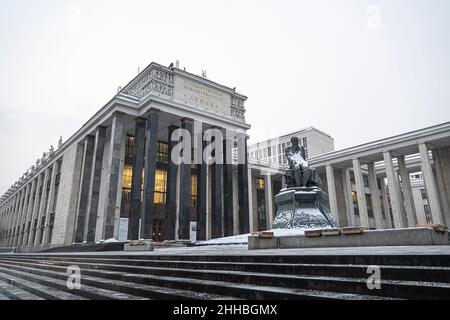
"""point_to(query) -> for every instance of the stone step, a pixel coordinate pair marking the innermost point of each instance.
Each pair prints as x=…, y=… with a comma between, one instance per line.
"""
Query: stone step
x=116, y=288
x=37, y=290
x=395, y=260
x=59, y=285
x=248, y=286
x=12, y=292
x=389, y=272
x=390, y=288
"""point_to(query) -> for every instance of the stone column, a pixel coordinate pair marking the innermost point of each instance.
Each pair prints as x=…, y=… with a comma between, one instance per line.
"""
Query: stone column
x=389, y=222
x=49, y=205
x=227, y=185
x=41, y=209
x=11, y=219
x=407, y=193
x=216, y=196
x=24, y=240
x=35, y=212
x=83, y=194
x=441, y=158
x=251, y=217
x=202, y=197
x=96, y=176
x=361, y=193
x=113, y=161
x=244, y=199
x=23, y=216
x=171, y=195
x=430, y=184
x=269, y=199
x=16, y=222
x=151, y=144
x=283, y=182
x=136, y=179
x=185, y=188
x=351, y=218
x=331, y=184
x=375, y=195
x=394, y=190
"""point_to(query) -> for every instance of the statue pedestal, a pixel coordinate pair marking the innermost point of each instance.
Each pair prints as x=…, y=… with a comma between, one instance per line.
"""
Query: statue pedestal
x=303, y=208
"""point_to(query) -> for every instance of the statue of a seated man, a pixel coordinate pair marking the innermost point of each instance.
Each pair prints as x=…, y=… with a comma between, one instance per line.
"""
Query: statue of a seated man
x=303, y=174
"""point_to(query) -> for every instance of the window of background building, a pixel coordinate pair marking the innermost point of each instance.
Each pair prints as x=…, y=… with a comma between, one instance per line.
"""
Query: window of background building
x=355, y=203
x=283, y=146
x=279, y=149
x=366, y=181
x=424, y=193
x=427, y=213
x=259, y=184
x=265, y=153
x=305, y=143
x=369, y=205
x=279, y=159
x=269, y=151
x=352, y=177
x=383, y=213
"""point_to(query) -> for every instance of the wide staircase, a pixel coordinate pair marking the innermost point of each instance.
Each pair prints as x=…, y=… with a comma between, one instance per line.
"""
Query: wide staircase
x=211, y=277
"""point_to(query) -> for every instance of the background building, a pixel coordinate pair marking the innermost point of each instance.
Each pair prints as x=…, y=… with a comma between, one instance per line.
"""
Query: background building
x=396, y=182
x=315, y=142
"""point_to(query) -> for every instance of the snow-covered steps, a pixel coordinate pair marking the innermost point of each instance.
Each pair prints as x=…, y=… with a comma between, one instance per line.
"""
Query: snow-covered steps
x=120, y=276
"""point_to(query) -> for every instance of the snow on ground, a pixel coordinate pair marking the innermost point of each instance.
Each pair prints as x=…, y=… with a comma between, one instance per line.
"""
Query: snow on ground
x=243, y=238
x=111, y=240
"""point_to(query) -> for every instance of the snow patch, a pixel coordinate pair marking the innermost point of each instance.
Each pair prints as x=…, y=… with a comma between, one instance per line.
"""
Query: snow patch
x=243, y=238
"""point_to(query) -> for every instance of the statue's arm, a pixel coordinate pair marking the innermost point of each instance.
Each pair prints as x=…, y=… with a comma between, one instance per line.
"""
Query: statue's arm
x=288, y=154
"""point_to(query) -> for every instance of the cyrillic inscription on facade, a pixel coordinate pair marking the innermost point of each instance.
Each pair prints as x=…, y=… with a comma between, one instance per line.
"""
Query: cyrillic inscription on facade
x=199, y=95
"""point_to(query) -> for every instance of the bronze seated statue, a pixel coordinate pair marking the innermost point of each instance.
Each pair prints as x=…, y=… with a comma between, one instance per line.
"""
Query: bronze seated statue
x=299, y=173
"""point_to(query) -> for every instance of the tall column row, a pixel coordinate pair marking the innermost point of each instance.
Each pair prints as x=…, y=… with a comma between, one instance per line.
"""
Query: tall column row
x=396, y=197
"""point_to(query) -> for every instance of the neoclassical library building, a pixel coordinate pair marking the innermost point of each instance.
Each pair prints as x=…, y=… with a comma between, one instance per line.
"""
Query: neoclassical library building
x=116, y=178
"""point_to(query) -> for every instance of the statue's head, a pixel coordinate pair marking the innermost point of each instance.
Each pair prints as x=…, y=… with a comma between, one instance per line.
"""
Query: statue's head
x=294, y=141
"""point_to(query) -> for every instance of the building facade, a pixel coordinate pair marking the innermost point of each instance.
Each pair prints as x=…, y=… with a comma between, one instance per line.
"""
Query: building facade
x=115, y=177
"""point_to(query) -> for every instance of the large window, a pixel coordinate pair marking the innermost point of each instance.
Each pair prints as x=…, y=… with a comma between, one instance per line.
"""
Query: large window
x=194, y=193
x=162, y=154
x=160, y=187
x=126, y=182
x=160, y=184
x=129, y=147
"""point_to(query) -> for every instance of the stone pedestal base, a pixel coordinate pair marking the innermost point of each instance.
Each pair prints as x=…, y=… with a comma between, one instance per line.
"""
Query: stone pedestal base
x=140, y=245
x=366, y=238
x=303, y=208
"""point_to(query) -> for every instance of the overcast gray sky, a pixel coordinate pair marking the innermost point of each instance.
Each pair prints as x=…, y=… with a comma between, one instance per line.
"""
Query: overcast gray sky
x=359, y=70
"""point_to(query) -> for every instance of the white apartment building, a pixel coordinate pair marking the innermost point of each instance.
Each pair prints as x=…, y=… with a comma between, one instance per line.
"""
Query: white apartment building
x=314, y=141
